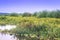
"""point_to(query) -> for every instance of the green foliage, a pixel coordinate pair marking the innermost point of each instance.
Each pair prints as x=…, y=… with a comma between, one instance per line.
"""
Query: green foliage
x=14, y=14
x=43, y=14
x=43, y=24
x=48, y=14
x=45, y=27
x=26, y=14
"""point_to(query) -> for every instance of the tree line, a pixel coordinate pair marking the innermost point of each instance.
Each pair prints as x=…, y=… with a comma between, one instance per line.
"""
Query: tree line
x=41, y=14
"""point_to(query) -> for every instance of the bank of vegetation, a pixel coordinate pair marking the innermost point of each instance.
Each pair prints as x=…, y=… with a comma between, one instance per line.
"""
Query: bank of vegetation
x=41, y=25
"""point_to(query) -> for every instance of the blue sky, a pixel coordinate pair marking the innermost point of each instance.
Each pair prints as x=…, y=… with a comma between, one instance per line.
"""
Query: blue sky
x=28, y=5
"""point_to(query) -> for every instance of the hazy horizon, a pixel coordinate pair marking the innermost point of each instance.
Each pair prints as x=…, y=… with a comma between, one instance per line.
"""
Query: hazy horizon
x=21, y=6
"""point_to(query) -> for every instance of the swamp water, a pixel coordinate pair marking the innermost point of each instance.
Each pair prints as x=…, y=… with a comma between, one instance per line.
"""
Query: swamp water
x=7, y=36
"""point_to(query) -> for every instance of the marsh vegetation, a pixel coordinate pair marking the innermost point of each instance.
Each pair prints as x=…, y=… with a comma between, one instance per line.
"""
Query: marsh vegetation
x=43, y=25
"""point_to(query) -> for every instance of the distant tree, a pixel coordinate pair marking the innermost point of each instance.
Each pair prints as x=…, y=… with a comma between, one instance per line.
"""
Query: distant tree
x=51, y=14
x=54, y=14
x=57, y=14
x=35, y=14
x=26, y=14
x=43, y=14
x=14, y=14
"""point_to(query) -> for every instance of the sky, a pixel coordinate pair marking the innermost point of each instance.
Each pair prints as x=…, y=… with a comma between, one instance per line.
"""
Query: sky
x=20, y=6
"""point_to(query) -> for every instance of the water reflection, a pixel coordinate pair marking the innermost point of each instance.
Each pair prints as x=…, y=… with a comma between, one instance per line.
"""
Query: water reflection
x=8, y=27
x=7, y=36
x=13, y=37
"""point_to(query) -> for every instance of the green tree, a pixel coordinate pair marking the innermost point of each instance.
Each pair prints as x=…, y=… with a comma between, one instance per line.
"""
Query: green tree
x=14, y=14
x=26, y=14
